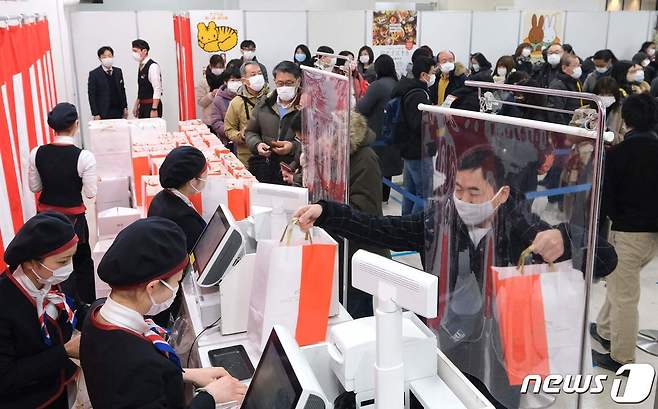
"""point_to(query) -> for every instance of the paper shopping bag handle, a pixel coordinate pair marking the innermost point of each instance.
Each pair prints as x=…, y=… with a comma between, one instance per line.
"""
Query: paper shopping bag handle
x=287, y=232
x=521, y=264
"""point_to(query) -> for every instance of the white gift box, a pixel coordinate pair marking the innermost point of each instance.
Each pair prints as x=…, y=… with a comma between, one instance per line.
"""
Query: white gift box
x=111, y=221
x=113, y=192
x=102, y=289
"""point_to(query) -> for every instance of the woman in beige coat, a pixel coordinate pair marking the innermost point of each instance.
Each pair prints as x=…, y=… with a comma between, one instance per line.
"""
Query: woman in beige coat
x=206, y=89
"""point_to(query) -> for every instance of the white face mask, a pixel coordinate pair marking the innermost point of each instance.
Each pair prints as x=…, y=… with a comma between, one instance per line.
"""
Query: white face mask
x=526, y=52
x=431, y=80
x=217, y=71
x=651, y=52
x=158, y=308
x=554, y=59
x=502, y=71
x=577, y=73
x=249, y=55
x=645, y=62
x=602, y=70
x=107, y=62
x=286, y=94
x=137, y=56
x=364, y=59
x=257, y=82
x=476, y=67
x=474, y=214
x=608, y=100
x=234, y=86
x=59, y=275
x=200, y=188
x=446, y=67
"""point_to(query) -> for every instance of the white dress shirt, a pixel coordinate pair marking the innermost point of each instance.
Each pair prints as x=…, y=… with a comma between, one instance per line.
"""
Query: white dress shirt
x=86, y=169
x=155, y=77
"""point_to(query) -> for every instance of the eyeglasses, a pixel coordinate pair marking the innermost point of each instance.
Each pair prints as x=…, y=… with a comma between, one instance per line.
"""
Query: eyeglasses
x=285, y=83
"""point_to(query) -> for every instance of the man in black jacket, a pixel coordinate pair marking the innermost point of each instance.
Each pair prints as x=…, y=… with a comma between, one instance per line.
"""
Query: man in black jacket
x=547, y=71
x=107, y=94
x=566, y=80
x=451, y=78
x=409, y=131
x=489, y=229
x=630, y=200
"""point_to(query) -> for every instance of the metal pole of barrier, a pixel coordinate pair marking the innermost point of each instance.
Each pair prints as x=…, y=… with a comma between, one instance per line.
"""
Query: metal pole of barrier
x=597, y=175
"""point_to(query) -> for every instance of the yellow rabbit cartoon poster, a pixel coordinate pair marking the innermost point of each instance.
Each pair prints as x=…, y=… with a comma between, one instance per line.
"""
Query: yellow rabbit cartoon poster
x=541, y=29
x=215, y=32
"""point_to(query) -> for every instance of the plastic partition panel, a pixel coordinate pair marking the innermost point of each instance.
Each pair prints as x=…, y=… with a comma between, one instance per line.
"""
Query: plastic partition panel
x=88, y=35
x=276, y=34
x=341, y=30
x=585, y=31
x=623, y=40
x=449, y=30
x=495, y=33
x=157, y=28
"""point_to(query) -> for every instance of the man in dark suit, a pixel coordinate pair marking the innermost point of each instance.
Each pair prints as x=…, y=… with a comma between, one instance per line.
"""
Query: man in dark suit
x=107, y=94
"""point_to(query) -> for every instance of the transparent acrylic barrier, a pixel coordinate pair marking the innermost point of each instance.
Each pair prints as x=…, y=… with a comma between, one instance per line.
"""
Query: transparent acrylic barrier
x=504, y=198
x=325, y=129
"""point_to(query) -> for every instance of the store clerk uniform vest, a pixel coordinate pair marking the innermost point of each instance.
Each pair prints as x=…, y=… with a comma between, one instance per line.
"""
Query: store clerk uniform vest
x=124, y=370
x=32, y=374
x=58, y=169
x=166, y=204
x=144, y=86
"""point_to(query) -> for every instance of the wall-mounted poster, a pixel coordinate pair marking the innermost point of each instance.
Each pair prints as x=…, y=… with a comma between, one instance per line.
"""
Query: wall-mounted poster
x=541, y=29
x=394, y=32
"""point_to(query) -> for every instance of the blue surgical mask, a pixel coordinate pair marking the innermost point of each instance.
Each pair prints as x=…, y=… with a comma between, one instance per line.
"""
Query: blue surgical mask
x=300, y=57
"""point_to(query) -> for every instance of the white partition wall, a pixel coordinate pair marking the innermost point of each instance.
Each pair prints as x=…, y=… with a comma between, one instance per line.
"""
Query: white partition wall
x=586, y=31
x=447, y=30
x=276, y=34
x=342, y=30
x=627, y=31
x=495, y=33
x=88, y=36
x=157, y=27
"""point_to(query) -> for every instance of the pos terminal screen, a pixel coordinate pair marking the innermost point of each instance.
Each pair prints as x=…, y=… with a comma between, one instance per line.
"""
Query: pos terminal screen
x=275, y=385
x=212, y=236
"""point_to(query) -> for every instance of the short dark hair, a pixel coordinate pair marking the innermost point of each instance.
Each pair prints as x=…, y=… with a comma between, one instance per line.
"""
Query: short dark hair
x=216, y=59
x=645, y=45
x=232, y=70
x=296, y=122
x=516, y=77
x=640, y=112
x=568, y=49
x=605, y=55
x=287, y=67
x=421, y=65
x=639, y=57
x=607, y=85
x=247, y=44
x=325, y=49
x=103, y=49
x=141, y=44
x=341, y=61
x=483, y=157
x=371, y=55
x=421, y=52
x=385, y=67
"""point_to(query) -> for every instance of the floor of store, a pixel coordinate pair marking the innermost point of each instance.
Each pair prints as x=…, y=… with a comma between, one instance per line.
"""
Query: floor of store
x=648, y=319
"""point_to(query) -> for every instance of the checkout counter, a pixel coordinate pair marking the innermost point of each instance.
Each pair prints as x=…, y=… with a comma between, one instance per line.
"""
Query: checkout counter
x=211, y=331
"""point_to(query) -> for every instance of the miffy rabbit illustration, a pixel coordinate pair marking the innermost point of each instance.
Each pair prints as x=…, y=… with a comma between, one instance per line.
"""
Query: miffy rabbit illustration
x=549, y=30
x=536, y=34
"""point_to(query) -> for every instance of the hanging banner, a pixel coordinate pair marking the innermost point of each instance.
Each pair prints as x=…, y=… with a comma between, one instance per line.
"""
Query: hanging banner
x=214, y=32
x=394, y=32
x=325, y=144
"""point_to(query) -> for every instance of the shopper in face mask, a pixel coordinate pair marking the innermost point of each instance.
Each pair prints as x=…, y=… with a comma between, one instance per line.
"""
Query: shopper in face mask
x=566, y=80
x=643, y=60
x=105, y=88
x=149, y=81
x=36, y=319
x=63, y=173
x=232, y=82
x=325, y=62
x=303, y=56
x=254, y=90
x=630, y=78
x=268, y=134
x=248, y=50
x=522, y=58
x=603, y=61
x=549, y=70
x=608, y=89
x=207, y=87
x=366, y=65
x=409, y=132
x=649, y=48
x=486, y=217
x=126, y=361
x=504, y=67
x=450, y=77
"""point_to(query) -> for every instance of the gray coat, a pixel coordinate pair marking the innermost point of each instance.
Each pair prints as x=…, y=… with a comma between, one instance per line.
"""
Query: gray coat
x=372, y=107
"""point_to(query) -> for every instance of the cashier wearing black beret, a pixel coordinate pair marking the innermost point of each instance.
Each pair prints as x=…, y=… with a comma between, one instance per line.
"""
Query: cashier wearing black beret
x=125, y=359
x=36, y=320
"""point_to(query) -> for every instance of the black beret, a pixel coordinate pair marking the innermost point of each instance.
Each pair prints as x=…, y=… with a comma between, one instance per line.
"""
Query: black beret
x=43, y=235
x=149, y=249
x=62, y=116
x=181, y=165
